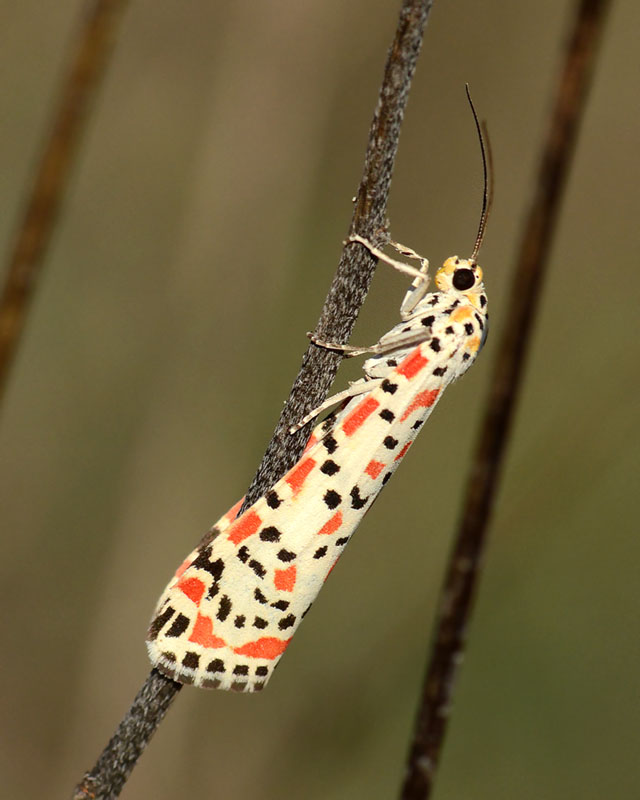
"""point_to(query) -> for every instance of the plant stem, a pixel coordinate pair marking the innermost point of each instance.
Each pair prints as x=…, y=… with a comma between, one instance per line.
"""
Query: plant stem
x=460, y=584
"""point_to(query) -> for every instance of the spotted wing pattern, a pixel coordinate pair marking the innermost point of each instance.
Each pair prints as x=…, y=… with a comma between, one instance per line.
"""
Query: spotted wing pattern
x=231, y=609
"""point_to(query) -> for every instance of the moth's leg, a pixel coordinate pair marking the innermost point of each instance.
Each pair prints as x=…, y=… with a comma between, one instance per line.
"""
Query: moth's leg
x=409, y=253
x=388, y=344
x=348, y=350
x=418, y=288
x=407, y=269
x=355, y=389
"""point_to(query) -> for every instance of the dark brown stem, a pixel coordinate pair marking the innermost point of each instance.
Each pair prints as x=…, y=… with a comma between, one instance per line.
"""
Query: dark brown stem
x=459, y=588
x=319, y=366
x=355, y=270
x=88, y=62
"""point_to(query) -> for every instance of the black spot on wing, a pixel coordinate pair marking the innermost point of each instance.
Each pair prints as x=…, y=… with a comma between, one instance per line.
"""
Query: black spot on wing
x=257, y=567
x=330, y=444
x=332, y=498
x=159, y=622
x=270, y=534
x=191, y=660
x=389, y=387
x=203, y=561
x=329, y=467
x=179, y=626
x=224, y=608
x=357, y=501
x=273, y=501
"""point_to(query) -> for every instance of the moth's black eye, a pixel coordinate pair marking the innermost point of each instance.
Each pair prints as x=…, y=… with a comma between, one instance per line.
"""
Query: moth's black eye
x=463, y=279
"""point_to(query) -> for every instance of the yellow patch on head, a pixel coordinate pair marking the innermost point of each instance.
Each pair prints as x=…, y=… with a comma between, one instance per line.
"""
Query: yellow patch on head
x=450, y=264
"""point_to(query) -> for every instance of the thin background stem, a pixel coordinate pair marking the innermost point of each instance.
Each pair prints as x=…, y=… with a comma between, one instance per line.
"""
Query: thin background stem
x=458, y=592
x=319, y=366
x=90, y=54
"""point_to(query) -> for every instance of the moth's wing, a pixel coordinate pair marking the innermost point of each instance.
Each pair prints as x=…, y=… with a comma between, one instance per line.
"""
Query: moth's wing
x=230, y=612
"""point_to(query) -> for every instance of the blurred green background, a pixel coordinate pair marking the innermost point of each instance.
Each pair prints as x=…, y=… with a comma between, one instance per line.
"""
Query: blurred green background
x=201, y=233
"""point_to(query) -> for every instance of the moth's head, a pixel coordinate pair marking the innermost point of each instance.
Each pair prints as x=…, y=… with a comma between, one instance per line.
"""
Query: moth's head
x=462, y=276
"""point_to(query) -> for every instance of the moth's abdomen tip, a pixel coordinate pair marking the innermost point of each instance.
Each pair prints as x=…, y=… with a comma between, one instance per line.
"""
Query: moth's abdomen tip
x=166, y=663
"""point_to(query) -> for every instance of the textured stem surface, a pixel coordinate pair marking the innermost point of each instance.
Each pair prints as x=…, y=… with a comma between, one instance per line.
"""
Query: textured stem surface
x=319, y=367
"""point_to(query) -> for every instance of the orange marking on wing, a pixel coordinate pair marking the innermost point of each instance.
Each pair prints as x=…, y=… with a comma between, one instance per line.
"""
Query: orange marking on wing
x=203, y=633
x=268, y=647
x=299, y=474
x=232, y=513
x=331, y=569
x=374, y=468
x=193, y=588
x=413, y=364
x=360, y=413
x=461, y=313
x=422, y=400
x=186, y=563
x=312, y=440
x=245, y=526
x=403, y=451
x=474, y=344
x=332, y=525
x=285, y=579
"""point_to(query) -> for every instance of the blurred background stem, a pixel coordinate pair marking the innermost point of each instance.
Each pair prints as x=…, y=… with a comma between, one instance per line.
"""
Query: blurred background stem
x=463, y=571
x=198, y=235
x=90, y=52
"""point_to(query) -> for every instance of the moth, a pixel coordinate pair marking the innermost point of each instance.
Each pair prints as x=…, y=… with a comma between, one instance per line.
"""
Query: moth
x=232, y=607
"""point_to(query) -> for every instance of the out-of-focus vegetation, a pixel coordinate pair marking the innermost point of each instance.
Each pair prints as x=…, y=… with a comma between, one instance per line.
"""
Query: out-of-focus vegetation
x=195, y=249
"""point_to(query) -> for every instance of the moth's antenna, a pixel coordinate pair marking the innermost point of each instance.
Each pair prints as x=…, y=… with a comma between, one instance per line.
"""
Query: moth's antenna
x=487, y=170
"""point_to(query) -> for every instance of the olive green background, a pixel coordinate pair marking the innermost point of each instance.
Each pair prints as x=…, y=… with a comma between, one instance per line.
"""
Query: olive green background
x=201, y=232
